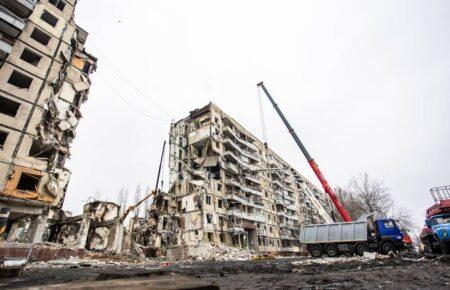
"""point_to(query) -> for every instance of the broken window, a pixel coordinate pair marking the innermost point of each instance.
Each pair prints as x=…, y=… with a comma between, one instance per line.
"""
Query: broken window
x=180, y=166
x=210, y=237
x=221, y=220
x=219, y=187
x=8, y=107
x=208, y=199
x=180, y=154
x=222, y=238
x=3, y=136
x=20, y=80
x=60, y=4
x=49, y=18
x=28, y=182
x=219, y=203
x=209, y=218
x=40, y=36
x=30, y=57
x=39, y=150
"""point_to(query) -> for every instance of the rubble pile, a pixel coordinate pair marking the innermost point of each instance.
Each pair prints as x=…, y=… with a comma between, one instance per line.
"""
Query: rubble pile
x=224, y=253
x=338, y=260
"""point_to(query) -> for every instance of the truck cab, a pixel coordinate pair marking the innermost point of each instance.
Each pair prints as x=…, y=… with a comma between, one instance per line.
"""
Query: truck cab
x=440, y=225
x=389, y=235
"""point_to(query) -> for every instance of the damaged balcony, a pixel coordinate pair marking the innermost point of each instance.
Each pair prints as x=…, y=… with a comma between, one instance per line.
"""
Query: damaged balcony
x=23, y=8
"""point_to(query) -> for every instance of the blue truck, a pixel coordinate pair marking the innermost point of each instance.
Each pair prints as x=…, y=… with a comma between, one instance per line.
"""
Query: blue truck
x=364, y=235
x=435, y=235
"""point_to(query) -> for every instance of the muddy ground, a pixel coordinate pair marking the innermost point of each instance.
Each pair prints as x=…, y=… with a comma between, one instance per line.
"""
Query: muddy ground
x=287, y=273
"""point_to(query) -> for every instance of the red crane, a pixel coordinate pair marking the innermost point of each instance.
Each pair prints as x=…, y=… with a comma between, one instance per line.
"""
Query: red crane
x=311, y=161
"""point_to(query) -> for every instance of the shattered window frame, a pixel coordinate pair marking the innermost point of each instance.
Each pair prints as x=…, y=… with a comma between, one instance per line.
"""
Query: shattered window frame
x=29, y=175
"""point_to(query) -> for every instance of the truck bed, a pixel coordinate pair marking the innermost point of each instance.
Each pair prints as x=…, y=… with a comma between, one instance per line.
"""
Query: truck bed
x=334, y=233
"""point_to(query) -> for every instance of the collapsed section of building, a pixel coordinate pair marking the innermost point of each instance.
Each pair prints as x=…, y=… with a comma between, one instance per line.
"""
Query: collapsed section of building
x=44, y=80
x=227, y=187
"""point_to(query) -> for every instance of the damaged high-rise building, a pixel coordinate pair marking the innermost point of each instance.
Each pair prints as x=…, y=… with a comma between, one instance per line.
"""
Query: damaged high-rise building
x=228, y=187
x=44, y=79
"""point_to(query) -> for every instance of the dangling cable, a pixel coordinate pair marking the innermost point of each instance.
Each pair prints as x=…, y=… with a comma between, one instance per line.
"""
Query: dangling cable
x=263, y=123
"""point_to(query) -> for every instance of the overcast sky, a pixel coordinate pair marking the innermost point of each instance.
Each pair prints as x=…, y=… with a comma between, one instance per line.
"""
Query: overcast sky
x=365, y=84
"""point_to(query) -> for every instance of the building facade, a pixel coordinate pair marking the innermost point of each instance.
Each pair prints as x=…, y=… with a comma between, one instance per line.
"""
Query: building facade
x=230, y=188
x=44, y=79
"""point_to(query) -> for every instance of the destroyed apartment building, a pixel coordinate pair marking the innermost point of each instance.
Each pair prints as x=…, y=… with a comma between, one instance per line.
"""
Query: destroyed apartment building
x=44, y=79
x=228, y=188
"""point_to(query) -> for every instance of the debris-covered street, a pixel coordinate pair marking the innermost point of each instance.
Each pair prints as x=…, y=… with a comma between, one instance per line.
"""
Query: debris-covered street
x=412, y=271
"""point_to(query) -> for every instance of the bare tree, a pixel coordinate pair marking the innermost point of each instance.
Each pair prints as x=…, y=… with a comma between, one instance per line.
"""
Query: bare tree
x=122, y=199
x=365, y=195
x=97, y=195
x=373, y=194
x=137, y=198
x=147, y=202
x=403, y=218
x=351, y=203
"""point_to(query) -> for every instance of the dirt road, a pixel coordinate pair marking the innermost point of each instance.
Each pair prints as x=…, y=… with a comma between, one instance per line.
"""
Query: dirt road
x=298, y=273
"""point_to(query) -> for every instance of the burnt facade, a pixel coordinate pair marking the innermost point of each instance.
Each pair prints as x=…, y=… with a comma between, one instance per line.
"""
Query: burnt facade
x=44, y=80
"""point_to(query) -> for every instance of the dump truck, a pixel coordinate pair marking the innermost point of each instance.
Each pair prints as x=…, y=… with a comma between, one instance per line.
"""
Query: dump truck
x=436, y=234
x=365, y=235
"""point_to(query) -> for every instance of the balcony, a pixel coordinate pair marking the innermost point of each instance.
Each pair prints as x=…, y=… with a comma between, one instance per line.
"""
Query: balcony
x=232, y=168
x=199, y=135
x=22, y=8
x=231, y=132
x=288, y=237
x=10, y=24
x=246, y=215
x=238, y=198
x=240, y=150
x=229, y=154
x=233, y=182
x=252, y=190
x=236, y=229
x=252, y=179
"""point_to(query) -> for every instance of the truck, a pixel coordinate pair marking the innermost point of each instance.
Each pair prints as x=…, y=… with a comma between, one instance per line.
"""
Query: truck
x=365, y=235
x=435, y=236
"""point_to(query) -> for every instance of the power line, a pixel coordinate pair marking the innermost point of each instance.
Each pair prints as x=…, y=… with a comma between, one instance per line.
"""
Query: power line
x=113, y=69
x=133, y=107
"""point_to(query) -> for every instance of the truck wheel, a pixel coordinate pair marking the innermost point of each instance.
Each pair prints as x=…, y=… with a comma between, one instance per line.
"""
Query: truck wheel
x=361, y=248
x=315, y=250
x=331, y=250
x=387, y=247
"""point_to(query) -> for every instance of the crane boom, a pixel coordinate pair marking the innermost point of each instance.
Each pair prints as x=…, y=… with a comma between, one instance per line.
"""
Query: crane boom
x=308, y=157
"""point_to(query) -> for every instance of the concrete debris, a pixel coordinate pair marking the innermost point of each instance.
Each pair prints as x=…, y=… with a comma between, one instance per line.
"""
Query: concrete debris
x=224, y=253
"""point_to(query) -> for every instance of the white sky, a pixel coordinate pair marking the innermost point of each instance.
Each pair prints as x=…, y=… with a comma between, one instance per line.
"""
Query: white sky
x=364, y=83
